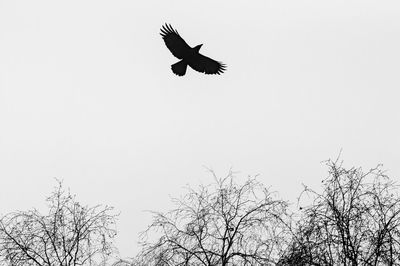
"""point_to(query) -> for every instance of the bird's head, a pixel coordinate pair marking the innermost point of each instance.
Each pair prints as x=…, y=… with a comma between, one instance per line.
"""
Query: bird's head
x=197, y=48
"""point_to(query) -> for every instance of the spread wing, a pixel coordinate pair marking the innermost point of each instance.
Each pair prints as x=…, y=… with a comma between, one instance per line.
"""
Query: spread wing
x=174, y=41
x=207, y=65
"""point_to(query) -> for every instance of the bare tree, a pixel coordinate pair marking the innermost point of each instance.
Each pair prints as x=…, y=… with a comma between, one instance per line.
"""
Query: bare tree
x=221, y=224
x=354, y=221
x=70, y=234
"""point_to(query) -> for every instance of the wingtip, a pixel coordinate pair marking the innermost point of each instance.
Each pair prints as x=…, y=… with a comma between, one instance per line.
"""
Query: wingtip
x=222, y=68
x=167, y=28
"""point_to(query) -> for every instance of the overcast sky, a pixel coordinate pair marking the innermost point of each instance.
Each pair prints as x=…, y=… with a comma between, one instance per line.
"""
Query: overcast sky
x=87, y=95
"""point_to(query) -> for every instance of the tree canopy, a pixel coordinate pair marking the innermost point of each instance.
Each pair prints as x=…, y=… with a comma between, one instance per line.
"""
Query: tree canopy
x=69, y=234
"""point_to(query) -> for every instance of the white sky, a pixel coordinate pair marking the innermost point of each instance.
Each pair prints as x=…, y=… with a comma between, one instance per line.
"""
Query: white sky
x=87, y=95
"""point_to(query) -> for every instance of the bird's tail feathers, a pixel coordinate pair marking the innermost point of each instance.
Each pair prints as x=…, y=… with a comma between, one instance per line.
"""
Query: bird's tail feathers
x=179, y=68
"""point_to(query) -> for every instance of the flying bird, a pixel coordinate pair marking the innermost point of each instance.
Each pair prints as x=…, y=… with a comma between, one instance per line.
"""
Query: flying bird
x=188, y=55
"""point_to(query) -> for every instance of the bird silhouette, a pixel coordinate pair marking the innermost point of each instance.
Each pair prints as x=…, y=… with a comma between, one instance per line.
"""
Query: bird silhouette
x=188, y=55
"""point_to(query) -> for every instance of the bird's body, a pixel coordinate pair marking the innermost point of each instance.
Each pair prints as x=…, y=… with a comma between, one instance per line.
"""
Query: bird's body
x=189, y=56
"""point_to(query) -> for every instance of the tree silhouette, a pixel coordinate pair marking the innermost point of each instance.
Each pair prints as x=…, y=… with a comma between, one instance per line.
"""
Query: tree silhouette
x=69, y=234
x=221, y=224
x=354, y=221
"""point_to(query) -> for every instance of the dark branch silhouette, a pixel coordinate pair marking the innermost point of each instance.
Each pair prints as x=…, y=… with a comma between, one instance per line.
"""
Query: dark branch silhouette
x=354, y=221
x=222, y=224
x=188, y=55
x=70, y=234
